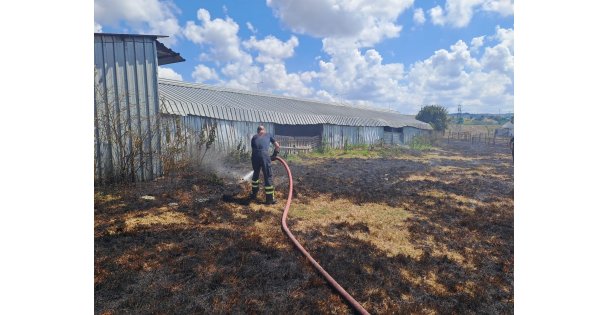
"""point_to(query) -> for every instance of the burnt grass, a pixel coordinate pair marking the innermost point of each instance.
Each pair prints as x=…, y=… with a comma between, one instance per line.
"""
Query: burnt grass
x=213, y=255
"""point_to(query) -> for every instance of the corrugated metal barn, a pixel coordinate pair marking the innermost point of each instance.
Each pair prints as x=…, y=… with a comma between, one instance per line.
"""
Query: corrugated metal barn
x=237, y=113
x=139, y=116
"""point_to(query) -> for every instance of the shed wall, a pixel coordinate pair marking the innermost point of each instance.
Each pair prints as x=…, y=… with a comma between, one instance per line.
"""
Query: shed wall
x=127, y=141
x=335, y=135
x=228, y=133
x=410, y=132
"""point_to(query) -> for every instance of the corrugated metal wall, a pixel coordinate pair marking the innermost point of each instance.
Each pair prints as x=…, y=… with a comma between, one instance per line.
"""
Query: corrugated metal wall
x=393, y=137
x=411, y=132
x=127, y=141
x=397, y=137
x=335, y=135
x=228, y=133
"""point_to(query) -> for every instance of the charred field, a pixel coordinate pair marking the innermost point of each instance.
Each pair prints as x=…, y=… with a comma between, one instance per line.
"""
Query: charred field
x=408, y=232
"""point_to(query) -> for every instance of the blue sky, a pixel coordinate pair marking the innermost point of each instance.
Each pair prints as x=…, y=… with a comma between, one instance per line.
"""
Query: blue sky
x=397, y=54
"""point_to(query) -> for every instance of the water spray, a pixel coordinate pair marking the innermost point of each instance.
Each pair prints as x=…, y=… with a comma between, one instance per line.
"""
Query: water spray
x=247, y=176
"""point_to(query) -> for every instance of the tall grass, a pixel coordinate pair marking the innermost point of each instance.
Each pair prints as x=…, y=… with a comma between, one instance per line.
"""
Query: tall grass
x=420, y=143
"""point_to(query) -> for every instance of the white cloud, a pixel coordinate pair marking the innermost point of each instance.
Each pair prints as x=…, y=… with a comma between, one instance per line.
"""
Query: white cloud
x=419, y=16
x=458, y=13
x=476, y=42
x=98, y=28
x=500, y=57
x=221, y=44
x=272, y=49
x=366, y=22
x=451, y=77
x=271, y=77
x=168, y=73
x=436, y=14
x=219, y=35
x=275, y=77
x=506, y=37
x=502, y=7
x=203, y=73
x=356, y=74
x=251, y=28
x=143, y=16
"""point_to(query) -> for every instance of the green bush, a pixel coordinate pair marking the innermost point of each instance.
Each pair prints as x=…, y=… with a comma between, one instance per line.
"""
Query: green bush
x=420, y=143
x=324, y=147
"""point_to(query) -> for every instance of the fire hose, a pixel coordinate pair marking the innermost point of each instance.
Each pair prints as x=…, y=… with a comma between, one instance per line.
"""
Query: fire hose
x=353, y=303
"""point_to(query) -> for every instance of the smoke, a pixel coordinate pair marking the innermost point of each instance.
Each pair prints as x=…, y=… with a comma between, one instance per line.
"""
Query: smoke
x=217, y=163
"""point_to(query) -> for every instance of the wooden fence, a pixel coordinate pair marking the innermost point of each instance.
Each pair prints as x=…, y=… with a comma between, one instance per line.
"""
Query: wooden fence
x=295, y=145
x=480, y=138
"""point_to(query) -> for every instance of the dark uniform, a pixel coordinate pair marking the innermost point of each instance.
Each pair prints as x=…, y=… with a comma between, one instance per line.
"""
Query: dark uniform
x=261, y=160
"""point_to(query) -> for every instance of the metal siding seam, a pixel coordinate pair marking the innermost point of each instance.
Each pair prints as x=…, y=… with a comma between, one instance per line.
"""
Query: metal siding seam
x=136, y=77
x=117, y=106
x=232, y=114
x=157, y=111
x=128, y=107
x=149, y=170
x=204, y=110
x=246, y=114
x=108, y=165
x=225, y=113
x=98, y=156
x=211, y=113
x=215, y=111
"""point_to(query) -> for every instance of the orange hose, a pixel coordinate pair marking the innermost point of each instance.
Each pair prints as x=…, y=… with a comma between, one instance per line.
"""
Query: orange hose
x=329, y=279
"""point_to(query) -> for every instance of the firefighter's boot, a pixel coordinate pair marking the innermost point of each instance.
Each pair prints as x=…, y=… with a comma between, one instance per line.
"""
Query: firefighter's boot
x=254, y=189
x=270, y=195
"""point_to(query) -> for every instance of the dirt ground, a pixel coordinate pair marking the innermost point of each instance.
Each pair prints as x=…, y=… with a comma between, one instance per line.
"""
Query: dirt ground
x=415, y=232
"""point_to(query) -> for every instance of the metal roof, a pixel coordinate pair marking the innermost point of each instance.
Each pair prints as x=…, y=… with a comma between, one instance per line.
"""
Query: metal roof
x=181, y=98
x=165, y=55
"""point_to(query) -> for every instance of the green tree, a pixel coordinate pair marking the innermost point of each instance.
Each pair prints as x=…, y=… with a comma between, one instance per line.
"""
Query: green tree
x=435, y=115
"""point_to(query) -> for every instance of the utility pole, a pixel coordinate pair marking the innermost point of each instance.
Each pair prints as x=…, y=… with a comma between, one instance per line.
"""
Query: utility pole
x=258, y=85
x=460, y=114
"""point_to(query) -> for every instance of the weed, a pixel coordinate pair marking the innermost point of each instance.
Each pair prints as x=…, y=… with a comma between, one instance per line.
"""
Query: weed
x=238, y=155
x=420, y=143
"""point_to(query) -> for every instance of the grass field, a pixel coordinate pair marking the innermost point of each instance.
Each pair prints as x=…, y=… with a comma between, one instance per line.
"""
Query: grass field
x=473, y=129
x=404, y=231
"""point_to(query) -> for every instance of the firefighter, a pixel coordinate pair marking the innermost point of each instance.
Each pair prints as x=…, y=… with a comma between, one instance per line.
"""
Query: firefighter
x=260, y=160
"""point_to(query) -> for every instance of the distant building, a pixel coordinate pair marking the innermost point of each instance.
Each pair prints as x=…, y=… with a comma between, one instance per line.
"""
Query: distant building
x=505, y=130
x=138, y=115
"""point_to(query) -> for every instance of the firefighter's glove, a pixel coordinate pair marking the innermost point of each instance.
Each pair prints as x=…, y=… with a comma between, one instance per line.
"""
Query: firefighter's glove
x=274, y=155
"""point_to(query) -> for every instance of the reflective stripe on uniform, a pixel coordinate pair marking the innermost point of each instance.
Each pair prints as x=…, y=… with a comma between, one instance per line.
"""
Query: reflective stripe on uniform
x=269, y=190
x=255, y=183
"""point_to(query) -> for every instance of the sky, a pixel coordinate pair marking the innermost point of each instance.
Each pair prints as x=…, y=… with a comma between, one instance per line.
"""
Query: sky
x=393, y=54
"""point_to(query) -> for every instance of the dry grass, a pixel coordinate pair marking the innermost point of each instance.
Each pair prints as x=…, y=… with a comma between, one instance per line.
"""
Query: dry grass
x=427, y=233
x=474, y=129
